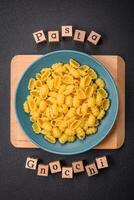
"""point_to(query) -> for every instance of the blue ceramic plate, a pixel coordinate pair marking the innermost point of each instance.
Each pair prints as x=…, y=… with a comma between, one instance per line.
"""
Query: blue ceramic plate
x=78, y=146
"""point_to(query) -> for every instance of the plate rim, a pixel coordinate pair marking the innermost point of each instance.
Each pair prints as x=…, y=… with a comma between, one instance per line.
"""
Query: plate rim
x=115, y=88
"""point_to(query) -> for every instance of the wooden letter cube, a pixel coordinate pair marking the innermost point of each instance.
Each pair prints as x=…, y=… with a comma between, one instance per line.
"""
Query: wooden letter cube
x=42, y=170
x=31, y=163
x=94, y=37
x=53, y=36
x=91, y=169
x=67, y=172
x=79, y=35
x=39, y=36
x=55, y=167
x=102, y=162
x=78, y=166
x=66, y=31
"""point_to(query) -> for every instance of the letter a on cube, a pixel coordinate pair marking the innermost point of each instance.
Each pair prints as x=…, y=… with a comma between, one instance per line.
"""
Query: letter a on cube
x=53, y=36
x=94, y=37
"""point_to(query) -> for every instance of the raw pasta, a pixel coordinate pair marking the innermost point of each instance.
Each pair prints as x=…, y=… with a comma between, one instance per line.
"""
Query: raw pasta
x=66, y=101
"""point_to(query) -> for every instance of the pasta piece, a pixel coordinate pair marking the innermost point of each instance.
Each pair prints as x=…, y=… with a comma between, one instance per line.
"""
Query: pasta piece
x=91, y=102
x=103, y=92
x=76, y=102
x=75, y=124
x=100, y=83
x=51, y=100
x=38, y=83
x=69, y=101
x=42, y=105
x=91, y=130
x=84, y=108
x=80, y=133
x=98, y=99
x=47, y=127
x=95, y=111
x=60, y=99
x=63, y=109
x=38, y=76
x=69, y=89
x=50, y=138
x=36, y=128
x=91, y=120
x=101, y=114
x=63, y=139
x=34, y=93
x=31, y=104
x=71, y=112
x=67, y=79
x=71, y=138
x=74, y=72
x=106, y=104
x=81, y=94
x=84, y=82
x=56, y=132
x=53, y=111
x=74, y=63
x=50, y=83
x=45, y=74
x=92, y=73
x=57, y=82
x=44, y=90
x=31, y=84
x=26, y=107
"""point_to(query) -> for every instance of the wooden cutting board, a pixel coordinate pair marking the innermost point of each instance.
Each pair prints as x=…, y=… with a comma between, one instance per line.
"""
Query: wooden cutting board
x=115, y=65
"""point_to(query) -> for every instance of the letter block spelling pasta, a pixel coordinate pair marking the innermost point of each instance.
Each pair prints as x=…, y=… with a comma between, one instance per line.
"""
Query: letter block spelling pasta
x=39, y=36
x=31, y=163
x=55, y=167
x=79, y=35
x=91, y=169
x=66, y=102
x=66, y=31
x=101, y=162
x=53, y=36
x=67, y=172
x=93, y=37
x=42, y=170
x=78, y=166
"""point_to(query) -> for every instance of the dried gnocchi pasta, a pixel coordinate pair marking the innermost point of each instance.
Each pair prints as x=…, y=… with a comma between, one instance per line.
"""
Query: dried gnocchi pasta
x=66, y=101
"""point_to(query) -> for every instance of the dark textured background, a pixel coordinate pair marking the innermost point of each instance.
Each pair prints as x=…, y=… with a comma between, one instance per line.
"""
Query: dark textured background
x=18, y=20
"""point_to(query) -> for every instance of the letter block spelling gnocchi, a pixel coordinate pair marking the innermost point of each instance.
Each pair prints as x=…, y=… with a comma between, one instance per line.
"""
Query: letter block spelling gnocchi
x=31, y=163
x=91, y=169
x=39, y=36
x=101, y=162
x=53, y=36
x=67, y=172
x=79, y=35
x=94, y=37
x=78, y=166
x=66, y=31
x=42, y=170
x=55, y=167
